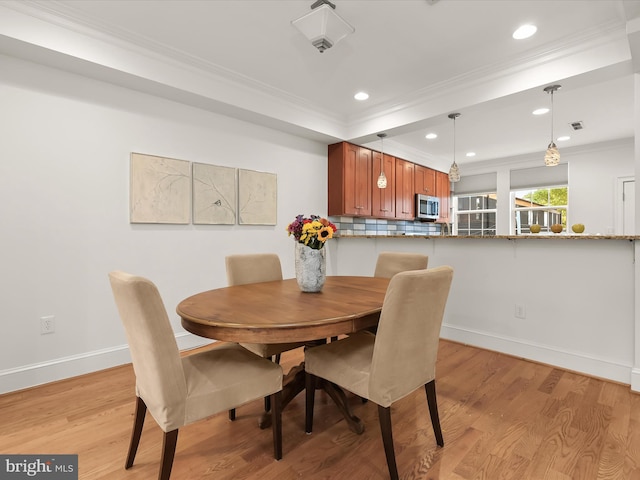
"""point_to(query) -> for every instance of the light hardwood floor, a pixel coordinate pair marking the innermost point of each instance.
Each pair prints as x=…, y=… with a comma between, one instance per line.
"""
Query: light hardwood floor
x=502, y=418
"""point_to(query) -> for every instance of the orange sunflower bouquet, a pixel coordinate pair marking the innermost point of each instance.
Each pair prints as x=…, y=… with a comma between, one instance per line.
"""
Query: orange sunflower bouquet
x=312, y=231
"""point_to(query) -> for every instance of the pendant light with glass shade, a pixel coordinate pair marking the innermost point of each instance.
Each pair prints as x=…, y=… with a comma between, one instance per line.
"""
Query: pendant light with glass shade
x=552, y=155
x=382, y=179
x=454, y=171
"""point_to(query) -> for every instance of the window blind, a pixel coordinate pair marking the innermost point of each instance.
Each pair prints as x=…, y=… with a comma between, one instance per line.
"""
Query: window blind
x=540, y=177
x=483, y=183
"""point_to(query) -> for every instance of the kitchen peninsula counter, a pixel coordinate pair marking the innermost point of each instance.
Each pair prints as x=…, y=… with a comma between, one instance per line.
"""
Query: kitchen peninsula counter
x=532, y=236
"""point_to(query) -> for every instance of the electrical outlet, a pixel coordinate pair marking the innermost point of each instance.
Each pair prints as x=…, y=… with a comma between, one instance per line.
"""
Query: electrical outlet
x=520, y=311
x=47, y=324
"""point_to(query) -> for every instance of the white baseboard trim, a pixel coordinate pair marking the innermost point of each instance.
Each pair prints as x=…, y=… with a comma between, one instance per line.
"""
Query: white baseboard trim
x=578, y=362
x=635, y=380
x=27, y=376
x=58, y=369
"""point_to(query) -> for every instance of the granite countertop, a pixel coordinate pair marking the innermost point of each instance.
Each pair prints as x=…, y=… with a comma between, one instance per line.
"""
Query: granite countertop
x=532, y=236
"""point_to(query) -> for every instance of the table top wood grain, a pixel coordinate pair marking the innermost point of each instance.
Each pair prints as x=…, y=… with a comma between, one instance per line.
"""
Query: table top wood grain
x=278, y=312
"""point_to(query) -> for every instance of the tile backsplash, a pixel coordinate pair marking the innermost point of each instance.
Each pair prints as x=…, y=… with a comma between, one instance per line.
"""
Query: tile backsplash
x=373, y=226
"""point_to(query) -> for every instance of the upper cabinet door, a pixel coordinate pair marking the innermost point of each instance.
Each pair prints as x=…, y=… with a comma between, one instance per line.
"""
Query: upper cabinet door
x=383, y=199
x=425, y=181
x=443, y=192
x=349, y=180
x=405, y=196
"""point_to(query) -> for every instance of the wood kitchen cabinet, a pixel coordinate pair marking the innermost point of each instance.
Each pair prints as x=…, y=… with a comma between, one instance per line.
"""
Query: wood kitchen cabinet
x=353, y=191
x=425, y=180
x=443, y=192
x=349, y=180
x=383, y=199
x=405, y=186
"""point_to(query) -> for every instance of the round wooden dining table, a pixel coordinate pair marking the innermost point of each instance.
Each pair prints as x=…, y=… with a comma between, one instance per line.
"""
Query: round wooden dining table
x=278, y=312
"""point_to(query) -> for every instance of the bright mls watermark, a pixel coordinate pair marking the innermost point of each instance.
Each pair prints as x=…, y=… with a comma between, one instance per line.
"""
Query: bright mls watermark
x=39, y=467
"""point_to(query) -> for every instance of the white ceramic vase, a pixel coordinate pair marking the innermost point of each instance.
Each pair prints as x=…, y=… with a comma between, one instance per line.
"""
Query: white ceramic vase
x=311, y=268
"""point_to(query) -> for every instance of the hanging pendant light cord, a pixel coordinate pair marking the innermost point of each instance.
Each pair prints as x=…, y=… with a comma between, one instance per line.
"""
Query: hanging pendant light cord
x=551, y=116
x=454, y=139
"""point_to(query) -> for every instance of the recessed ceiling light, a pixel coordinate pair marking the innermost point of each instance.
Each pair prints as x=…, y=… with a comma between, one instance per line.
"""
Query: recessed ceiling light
x=361, y=96
x=471, y=154
x=524, y=31
x=564, y=138
x=431, y=136
x=540, y=111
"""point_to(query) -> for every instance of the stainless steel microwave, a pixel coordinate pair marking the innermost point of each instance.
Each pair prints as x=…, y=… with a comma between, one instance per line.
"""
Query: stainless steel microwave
x=427, y=207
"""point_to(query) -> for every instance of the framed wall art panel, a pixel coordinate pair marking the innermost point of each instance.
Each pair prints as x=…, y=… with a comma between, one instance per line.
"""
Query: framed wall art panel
x=257, y=197
x=214, y=195
x=160, y=190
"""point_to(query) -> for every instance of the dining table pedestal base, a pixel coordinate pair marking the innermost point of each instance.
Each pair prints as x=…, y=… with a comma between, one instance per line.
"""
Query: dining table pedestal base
x=294, y=382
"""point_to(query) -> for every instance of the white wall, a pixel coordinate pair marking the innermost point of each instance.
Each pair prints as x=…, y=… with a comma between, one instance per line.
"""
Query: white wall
x=593, y=178
x=64, y=187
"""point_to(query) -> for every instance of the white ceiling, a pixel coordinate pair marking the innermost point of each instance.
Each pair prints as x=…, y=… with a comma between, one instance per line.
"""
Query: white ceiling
x=418, y=59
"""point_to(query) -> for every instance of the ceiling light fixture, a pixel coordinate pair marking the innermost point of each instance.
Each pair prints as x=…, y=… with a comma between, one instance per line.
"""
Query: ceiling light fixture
x=524, y=31
x=454, y=171
x=361, y=96
x=322, y=26
x=431, y=136
x=382, y=179
x=552, y=155
x=540, y=111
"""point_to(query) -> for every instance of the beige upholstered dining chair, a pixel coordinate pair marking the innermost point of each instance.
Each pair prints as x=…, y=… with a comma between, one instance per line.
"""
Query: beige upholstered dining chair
x=181, y=390
x=396, y=361
x=254, y=268
x=390, y=263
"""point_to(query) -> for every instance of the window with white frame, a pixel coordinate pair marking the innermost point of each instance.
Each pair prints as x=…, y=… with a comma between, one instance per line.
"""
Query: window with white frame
x=539, y=195
x=543, y=206
x=474, y=205
x=475, y=214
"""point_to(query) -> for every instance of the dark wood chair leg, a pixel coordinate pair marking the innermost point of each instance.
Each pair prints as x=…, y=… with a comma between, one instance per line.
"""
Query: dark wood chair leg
x=169, y=442
x=384, y=414
x=138, y=422
x=430, y=388
x=232, y=414
x=310, y=388
x=276, y=424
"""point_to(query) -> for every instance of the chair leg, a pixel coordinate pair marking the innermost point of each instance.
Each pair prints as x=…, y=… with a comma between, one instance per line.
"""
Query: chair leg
x=430, y=388
x=276, y=424
x=138, y=422
x=168, y=452
x=267, y=400
x=310, y=389
x=384, y=414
